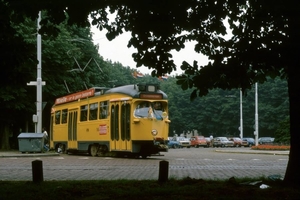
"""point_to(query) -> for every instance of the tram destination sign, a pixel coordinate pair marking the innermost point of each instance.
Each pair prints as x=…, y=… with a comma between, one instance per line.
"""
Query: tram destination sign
x=75, y=96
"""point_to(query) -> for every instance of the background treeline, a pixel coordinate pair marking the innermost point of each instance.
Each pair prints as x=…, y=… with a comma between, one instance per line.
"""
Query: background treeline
x=218, y=113
x=70, y=63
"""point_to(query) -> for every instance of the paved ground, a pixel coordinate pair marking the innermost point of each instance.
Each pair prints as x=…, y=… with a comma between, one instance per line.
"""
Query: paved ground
x=205, y=163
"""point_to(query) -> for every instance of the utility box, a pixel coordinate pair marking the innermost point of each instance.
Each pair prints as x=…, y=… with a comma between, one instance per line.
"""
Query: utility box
x=31, y=142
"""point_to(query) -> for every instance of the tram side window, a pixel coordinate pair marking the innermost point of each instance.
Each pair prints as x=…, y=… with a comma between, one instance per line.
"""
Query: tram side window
x=83, y=113
x=93, y=111
x=64, y=116
x=103, y=112
x=57, y=117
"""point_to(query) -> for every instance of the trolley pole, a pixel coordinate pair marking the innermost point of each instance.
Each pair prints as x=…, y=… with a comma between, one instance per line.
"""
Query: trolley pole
x=38, y=83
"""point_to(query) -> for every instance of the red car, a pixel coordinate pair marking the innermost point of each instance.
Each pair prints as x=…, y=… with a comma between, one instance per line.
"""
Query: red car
x=238, y=142
x=198, y=141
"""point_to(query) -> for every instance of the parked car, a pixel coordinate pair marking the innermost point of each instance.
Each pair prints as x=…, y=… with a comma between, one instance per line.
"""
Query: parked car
x=238, y=142
x=222, y=142
x=173, y=143
x=198, y=141
x=184, y=142
x=251, y=141
x=265, y=140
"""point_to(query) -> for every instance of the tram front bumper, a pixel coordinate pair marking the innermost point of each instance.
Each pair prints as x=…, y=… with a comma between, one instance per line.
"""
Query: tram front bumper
x=160, y=144
x=163, y=148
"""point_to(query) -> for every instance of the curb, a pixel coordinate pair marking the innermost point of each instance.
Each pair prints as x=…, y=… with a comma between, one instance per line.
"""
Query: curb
x=16, y=154
x=20, y=154
x=286, y=153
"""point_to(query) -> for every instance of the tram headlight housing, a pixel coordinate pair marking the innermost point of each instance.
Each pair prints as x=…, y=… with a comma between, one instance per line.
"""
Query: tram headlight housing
x=154, y=132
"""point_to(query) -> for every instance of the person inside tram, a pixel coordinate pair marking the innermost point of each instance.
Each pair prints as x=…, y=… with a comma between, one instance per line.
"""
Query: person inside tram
x=142, y=110
x=157, y=106
x=149, y=110
x=157, y=110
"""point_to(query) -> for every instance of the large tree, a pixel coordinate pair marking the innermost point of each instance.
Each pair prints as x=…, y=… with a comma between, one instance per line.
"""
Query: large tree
x=265, y=42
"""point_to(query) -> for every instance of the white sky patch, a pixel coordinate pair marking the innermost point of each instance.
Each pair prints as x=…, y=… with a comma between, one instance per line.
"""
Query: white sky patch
x=117, y=51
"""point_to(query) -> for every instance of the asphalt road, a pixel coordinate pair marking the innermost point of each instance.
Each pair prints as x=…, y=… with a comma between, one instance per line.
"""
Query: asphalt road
x=198, y=163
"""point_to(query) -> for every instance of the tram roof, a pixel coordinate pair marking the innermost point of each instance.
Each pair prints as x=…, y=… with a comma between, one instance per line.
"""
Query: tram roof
x=135, y=90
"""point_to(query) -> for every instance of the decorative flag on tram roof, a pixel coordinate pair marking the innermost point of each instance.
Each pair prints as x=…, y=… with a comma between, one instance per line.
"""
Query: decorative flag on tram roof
x=136, y=74
x=163, y=78
x=139, y=75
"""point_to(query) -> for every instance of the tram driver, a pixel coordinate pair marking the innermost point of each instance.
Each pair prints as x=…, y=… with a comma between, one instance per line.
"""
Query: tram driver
x=157, y=106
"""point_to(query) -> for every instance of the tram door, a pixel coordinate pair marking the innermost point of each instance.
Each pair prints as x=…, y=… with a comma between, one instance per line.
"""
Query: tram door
x=72, y=129
x=120, y=126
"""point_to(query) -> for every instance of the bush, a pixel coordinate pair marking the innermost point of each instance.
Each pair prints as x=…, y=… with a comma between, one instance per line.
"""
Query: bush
x=271, y=147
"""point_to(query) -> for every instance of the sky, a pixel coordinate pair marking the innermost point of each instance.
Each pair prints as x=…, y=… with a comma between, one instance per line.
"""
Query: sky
x=117, y=51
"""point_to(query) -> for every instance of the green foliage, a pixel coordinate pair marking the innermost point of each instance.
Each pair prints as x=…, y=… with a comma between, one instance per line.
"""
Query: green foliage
x=218, y=113
x=282, y=134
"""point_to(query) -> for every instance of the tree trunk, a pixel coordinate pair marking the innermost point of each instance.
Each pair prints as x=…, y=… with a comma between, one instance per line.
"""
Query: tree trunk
x=292, y=175
x=5, y=138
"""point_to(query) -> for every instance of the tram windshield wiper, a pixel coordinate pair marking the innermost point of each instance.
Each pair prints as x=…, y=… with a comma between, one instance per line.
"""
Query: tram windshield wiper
x=157, y=114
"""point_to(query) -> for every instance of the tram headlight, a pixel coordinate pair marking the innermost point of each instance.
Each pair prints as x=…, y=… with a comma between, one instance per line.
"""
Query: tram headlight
x=164, y=115
x=154, y=132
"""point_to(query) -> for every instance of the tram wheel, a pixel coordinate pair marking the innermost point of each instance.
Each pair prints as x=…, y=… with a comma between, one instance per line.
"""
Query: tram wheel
x=63, y=149
x=94, y=150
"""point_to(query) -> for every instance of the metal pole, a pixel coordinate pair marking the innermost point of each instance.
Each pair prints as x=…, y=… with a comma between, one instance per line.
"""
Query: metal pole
x=256, y=115
x=39, y=78
x=241, y=113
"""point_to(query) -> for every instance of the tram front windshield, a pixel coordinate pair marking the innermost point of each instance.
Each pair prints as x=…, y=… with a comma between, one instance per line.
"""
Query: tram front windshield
x=148, y=109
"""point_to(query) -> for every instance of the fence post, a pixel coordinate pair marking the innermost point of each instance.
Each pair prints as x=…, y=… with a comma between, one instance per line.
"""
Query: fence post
x=163, y=171
x=37, y=171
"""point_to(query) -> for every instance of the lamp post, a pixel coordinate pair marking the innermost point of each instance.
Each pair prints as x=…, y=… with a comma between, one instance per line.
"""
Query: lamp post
x=241, y=113
x=37, y=119
x=256, y=115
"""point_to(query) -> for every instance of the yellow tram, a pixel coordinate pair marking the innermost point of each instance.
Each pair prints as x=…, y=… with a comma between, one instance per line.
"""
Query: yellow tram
x=130, y=120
